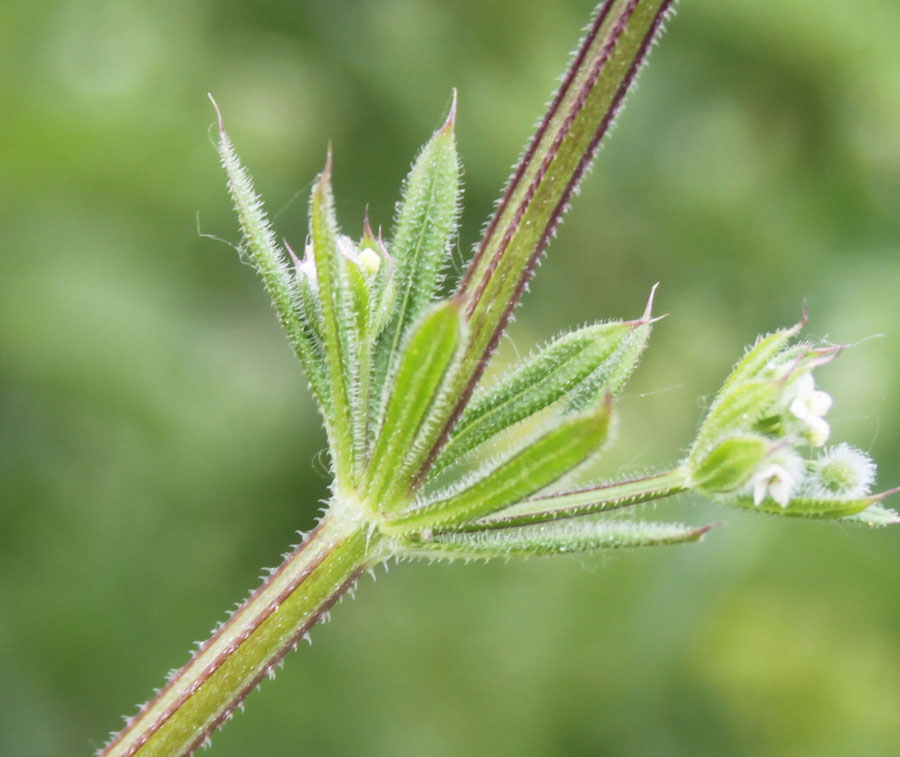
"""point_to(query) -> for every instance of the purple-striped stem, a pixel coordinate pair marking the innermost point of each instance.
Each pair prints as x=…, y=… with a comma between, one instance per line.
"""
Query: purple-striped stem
x=206, y=691
x=538, y=194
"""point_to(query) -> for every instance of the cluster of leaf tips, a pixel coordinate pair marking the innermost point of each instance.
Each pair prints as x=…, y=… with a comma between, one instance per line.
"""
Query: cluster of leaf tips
x=412, y=432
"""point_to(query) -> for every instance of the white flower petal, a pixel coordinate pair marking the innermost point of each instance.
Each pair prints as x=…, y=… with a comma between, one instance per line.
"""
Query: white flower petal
x=819, y=431
x=800, y=409
x=774, y=481
x=819, y=402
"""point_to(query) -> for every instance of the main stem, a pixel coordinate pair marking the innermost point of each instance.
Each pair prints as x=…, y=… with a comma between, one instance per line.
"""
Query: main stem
x=205, y=692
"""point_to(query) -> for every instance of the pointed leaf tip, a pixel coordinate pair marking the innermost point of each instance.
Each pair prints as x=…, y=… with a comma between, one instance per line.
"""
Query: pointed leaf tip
x=290, y=251
x=367, y=227
x=450, y=123
x=647, y=318
x=606, y=407
x=326, y=171
x=885, y=494
x=648, y=311
x=218, y=112
x=804, y=315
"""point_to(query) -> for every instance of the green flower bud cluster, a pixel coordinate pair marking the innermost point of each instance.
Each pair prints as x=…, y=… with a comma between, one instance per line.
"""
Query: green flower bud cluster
x=750, y=449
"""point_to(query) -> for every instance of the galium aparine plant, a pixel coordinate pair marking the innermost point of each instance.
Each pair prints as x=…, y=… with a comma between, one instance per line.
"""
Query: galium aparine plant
x=412, y=429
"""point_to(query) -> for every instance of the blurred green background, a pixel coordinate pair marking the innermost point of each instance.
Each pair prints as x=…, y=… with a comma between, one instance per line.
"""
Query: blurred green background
x=158, y=446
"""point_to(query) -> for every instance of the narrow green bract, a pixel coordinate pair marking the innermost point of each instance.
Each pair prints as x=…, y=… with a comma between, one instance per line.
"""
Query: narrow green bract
x=337, y=321
x=425, y=229
x=269, y=263
x=536, y=466
x=424, y=364
x=557, y=539
x=538, y=382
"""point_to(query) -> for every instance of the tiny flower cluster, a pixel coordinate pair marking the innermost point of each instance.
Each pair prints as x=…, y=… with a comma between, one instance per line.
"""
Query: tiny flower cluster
x=748, y=451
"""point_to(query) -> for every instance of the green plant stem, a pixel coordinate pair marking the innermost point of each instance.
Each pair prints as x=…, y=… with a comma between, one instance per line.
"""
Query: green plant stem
x=205, y=692
x=545, y=179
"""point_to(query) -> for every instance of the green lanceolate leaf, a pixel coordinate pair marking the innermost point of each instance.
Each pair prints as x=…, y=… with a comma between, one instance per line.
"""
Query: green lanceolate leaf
x=268, y=261
x=358, y=297
x=736, y=409
x=424, y=363
x=610, y=377
x=554, y=539
x=536, y=383
x=585, y=501
x=312, y=313
x=533, y=468
x=824, y=507
x=426, y=224
x=359, y=305
x=337, y=320
x=548, y=174
x=382, y=287
x=758, y=357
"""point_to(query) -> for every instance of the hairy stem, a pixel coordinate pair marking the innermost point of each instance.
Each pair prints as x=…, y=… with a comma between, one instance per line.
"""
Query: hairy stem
x=205, y=692
x=549, y=172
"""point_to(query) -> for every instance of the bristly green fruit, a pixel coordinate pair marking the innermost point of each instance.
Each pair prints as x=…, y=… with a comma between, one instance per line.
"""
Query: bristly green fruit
x=429, y=463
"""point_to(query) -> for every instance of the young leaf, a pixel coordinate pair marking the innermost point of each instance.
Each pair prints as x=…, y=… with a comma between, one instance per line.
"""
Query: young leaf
x=761, y=354
x=304, y=276
x=730, y=464
x=426, y=224
x=382, y=287
x=586, y=501
x=554, y=539
x=535, y=467
x=358, y=300
x=543, y=183
x=825, y=507
x=737, y=409
x=611, y=376
x=269, y=263
x=424, y=362
x=536, y=383
x=337, y=320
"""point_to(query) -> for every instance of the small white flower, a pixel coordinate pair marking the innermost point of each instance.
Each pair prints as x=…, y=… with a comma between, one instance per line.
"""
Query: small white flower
x=778, y=478
x=810, y=405
x=347, y=248
x=306, y=268
x=773, y=481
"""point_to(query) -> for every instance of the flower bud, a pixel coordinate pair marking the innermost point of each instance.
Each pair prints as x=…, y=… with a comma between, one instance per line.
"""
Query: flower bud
x=730, y=464
x=842, y=471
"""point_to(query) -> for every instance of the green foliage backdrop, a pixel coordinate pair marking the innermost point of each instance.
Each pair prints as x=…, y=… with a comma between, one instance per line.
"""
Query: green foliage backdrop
x=157, y=444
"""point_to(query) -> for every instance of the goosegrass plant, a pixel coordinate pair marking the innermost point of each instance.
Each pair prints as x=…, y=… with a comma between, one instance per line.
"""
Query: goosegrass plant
x=414, y=434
